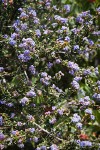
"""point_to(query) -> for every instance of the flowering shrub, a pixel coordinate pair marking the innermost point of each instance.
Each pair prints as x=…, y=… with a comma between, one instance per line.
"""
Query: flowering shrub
x=50, y=79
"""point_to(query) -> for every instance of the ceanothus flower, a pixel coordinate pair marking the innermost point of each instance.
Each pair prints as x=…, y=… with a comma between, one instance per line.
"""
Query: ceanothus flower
x=79, y=125
x=67, y=8
x=76, y=118
x=1, y=69
x=24, y=100
x=75, y=85
x=31, y=93
x=88, y=111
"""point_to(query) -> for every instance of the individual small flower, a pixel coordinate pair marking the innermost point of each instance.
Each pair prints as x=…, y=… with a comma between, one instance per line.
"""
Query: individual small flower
x=24, y=100
x=31, y=93
x=44, y=74
x=79, y=125
x=2, y=136
x=85, y=143
x=58, y=61
x=87, y=72
x=79, y=19
x=35, y=139
x=23, y=15
x=32, y=130
x=32, y=70
x=43, y=148
x=14, y=132
x=92, y=117
x=75, y=85
x=1, y=120
x=60, y=111
x=67, y=8
x=85, y=101
x=52, y=121
x=88, y=111
x=38, y=33
x=1, y=69
x=77, y=79
x=12, y=42
x=12, y=115
x=76, y=47
x=53, y=147
x=49, y=65
x=67, y=38
x=76, y=118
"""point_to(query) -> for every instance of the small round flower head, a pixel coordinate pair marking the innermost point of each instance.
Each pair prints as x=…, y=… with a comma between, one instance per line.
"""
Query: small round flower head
x=32, y=69
x=76, y=118
x=60, y=111
x=76, y=47
x=12, y=42
x=92, y=117
x=1, y=69
x=77, y=79
x=31, y=93
x=85, y=143
x=87, y=72
x=58, y=61
x=32, y=130
x=88, y=111
x=53, y=147
x=75, y=85
x=67, y=8
x=36, y=139
x=44, y=74
x=43, y=148
x=24, y=100
x=2, y=136
x=67, y=38
x=79, y=125
x=38, y=33
x=52, y=121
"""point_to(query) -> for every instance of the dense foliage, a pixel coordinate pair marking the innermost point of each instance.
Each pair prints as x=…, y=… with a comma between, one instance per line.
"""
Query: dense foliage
x=50, y=77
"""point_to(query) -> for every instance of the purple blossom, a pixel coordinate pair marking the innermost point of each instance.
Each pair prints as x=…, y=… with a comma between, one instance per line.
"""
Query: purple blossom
x=49, y=65
x=43, y=148
x=32, y=130
x=79, y=125
x=60, y=111
x=76, y=118
x=1, y=120
x=32, y=69
x=87, y=72
x=23, y=15
x=1, y=69
x=2, y=136
x=67, y=8
x=75, y=85
x=76, y=47
x=24, y=100
x=92, y=117
x=67, y=38
x=31, y=93
x=85, y=143
x=85, y=101
x=52, y=121
x=58, y=61
x=53, y=147
x=12, y=42
x=88, y=111
x=77, y=79
x=38, y=33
